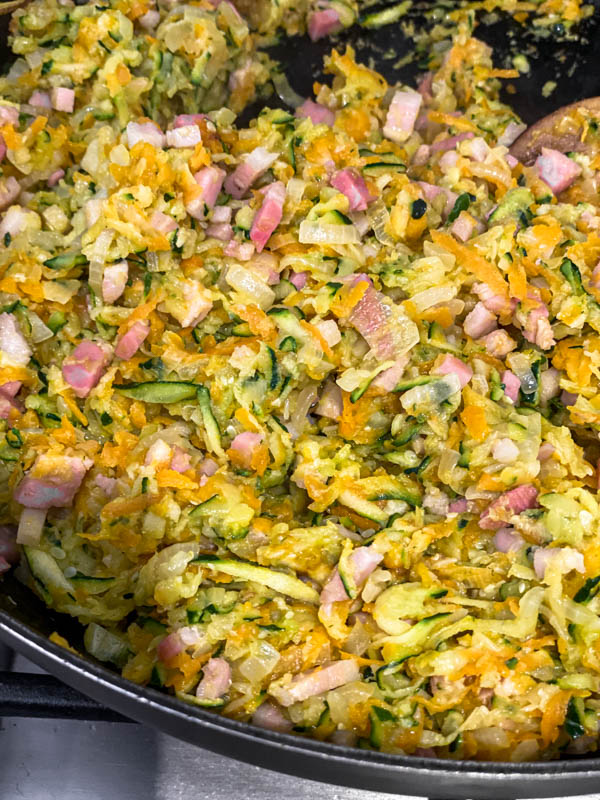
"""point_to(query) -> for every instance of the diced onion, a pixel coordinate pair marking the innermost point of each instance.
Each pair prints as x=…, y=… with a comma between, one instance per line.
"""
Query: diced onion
x=379, y=217
x=432, y=297
x=307, y=398
x=448, y=462
x=285, y=92
x=249, y=283
x=96, y=277
x=352, y=378
x=260, y=663
x=104, y=645
x=326, y=233
x=31, y=525
x=295, y=191
x=431, y=394
x=520, y=365
x=39, y=331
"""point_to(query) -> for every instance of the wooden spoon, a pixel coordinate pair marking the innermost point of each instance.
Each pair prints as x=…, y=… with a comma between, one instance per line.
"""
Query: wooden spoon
x=9, y=6
x=560, y=130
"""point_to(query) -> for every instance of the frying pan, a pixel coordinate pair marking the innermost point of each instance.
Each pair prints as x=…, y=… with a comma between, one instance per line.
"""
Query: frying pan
x=25, y=622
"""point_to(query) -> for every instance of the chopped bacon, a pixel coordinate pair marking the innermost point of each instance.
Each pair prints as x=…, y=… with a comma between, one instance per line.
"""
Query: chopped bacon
x=402, y=115
x=183, y=120
x=450, y=142
x=498, y=343
x=180, y=461
x=350, y=183
x=268, y=216
x=216, y=679
x=144, y=132
x=12, y=342
x=210, y=180
x=458, y=506
x=298, y=279
x=242, y=251
x=493, y=302
x=479, y=322
x=10, y=189
x=508, y=504
x=537, y=327
x=507, y=541
x=130, y=342
x=84, y=367
x=63, y=99
x=315, y=682
x=270, y=717
x=370, y=318
x=38, y=100
x=450, y=365
x=318, y=114
x=363, y=561
x=333, y=590
x=463, y=227
x=9, y=115
x=184, y=136
x=389, y=378
x=512, y=385
x=556, y=169
x=108, y=485
x=430, y=191
x=59, y=482
x=11, y=388
x=55, y=177
x=256, y=164
x=163, y=223
x=170, y=647
x=323, y=23
x=114, y=281
x=246, y=444
x=567, y=558
x=220, y=230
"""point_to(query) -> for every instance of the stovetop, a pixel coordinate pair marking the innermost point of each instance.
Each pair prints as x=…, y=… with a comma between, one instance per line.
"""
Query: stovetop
x=49, y=759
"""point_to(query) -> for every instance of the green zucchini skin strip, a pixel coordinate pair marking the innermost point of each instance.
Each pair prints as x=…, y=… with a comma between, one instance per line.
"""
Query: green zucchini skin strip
x=158, y=391
x=278, y=581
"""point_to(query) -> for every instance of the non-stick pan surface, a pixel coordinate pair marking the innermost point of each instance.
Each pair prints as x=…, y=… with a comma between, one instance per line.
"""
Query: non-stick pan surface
x=25, y=623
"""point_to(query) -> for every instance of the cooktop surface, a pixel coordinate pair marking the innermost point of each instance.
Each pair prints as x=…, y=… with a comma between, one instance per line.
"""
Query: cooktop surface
x=49, y=759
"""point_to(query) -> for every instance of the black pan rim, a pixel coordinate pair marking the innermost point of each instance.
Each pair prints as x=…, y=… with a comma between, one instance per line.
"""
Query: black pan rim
x=50, y=655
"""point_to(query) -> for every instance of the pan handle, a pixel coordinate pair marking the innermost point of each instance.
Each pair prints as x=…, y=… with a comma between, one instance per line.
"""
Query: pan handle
x=24, y=694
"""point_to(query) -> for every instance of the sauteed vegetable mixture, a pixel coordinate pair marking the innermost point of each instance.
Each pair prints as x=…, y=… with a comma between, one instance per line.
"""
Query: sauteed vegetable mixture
x=300, y=420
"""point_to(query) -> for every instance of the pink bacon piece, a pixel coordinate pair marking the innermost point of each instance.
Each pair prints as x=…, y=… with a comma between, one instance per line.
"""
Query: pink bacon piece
x=130, y=342
x=56, y=489
x=508, y=504
x=556, y=169
x=351, y=184
x=317, y=113
x=323, y=23
x=83, y=369
x=216, y=679
x=450, y=365
x=268, y=216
